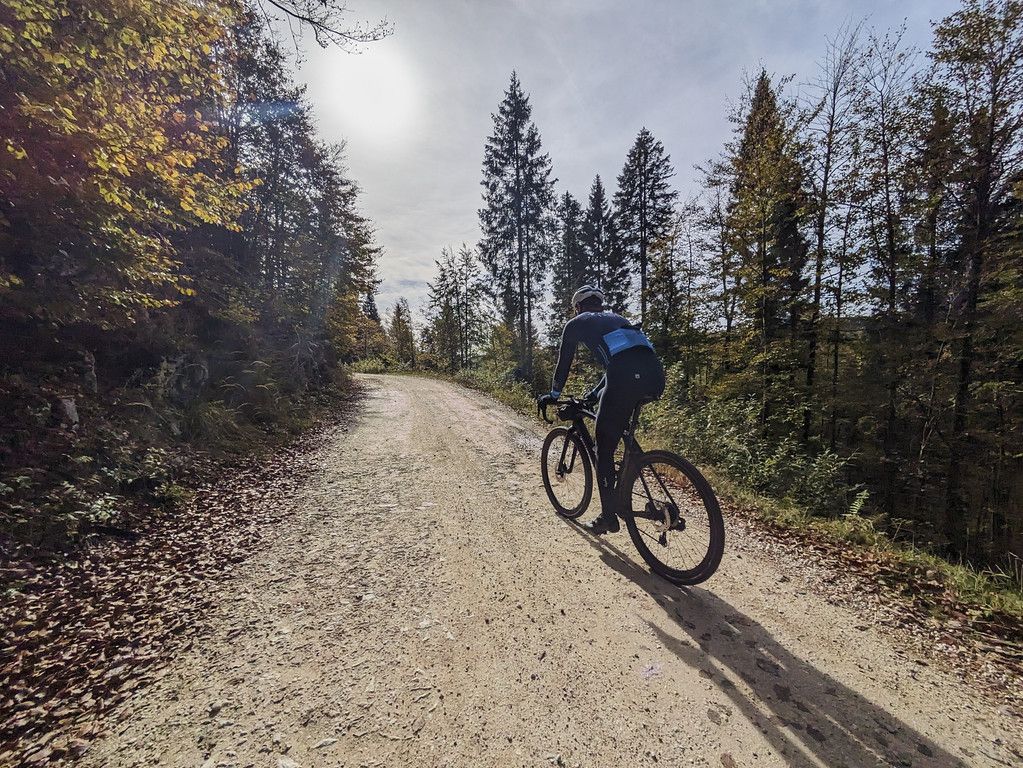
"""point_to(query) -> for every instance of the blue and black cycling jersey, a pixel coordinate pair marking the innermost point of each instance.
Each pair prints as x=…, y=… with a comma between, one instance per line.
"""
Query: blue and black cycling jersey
x=605, y=334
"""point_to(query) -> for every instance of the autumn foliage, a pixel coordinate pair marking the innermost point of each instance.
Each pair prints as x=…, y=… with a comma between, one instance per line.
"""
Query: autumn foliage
x=173, y=240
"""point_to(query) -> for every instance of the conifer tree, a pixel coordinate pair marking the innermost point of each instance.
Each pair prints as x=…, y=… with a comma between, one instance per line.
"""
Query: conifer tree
x=369, y=307
x=570, y=267
x=616, y=281
x=455, y=316
x=595, y=235
x=830, y=150
x=401, y=333
x=676, y=289
x=764, y=220
x=442, y=336
x=472, y=316
x=663, y=317
x=724, y=274
x=516, y=218
x=643, y=203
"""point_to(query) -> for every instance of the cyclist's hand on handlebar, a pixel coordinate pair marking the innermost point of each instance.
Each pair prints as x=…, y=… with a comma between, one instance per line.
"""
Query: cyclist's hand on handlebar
x=542, y=402
x=548, y=399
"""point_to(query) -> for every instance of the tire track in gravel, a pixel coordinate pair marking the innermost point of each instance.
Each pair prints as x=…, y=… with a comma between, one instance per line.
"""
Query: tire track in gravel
x=425, y=607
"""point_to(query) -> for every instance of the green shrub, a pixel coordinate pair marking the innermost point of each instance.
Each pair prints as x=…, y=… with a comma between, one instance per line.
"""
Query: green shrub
x=499, y=385
x=728, y=435
x=372, y=365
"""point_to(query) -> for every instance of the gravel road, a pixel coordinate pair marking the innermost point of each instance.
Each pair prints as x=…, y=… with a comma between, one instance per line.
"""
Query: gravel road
x=426, y=607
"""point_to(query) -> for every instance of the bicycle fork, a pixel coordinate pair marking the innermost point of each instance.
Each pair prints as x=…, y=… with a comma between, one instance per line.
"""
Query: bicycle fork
x=564, y=469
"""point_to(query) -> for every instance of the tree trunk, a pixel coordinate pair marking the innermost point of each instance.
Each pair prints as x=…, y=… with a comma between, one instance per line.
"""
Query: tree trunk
x=837, y=336
x=529, y=315
x=642, y=235
x=818, y=278
x=955, y=507
x=890, y=322
x=520, y=254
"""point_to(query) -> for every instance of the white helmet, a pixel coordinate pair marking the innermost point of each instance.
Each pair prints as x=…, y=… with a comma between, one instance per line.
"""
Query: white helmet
x=587, y=292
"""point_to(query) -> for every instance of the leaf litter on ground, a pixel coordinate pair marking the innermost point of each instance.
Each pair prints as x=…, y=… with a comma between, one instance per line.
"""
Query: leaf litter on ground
x=78, y=635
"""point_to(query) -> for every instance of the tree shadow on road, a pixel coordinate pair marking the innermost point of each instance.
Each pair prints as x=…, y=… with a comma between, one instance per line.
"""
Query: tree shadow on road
x=805, y=714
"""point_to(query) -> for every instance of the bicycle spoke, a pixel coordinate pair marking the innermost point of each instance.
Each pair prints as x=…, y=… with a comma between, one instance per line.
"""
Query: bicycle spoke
x=663, y=486
x=677, y=533
x=566, y=473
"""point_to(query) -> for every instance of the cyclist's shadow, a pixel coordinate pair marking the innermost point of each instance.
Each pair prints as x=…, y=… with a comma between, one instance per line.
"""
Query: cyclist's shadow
x=801, y=710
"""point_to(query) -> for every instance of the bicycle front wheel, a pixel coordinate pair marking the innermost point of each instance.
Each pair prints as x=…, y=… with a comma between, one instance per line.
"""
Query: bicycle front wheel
x=567, y=473
x=673, y=517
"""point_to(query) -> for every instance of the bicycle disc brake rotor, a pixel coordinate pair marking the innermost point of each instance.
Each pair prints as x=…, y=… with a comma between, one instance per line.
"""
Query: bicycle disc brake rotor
x=668, y=519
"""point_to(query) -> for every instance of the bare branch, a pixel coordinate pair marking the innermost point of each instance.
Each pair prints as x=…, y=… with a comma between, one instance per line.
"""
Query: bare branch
x=324, y=18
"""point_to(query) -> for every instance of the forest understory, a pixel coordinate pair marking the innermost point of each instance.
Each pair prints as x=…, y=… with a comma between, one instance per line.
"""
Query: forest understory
x=85, y=626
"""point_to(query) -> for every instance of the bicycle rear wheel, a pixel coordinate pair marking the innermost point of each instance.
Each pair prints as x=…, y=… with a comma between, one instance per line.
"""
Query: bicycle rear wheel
x=567, y=473
x=673, y=517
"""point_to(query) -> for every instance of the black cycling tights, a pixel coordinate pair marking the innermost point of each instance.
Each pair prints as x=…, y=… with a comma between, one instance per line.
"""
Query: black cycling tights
x=633, y=376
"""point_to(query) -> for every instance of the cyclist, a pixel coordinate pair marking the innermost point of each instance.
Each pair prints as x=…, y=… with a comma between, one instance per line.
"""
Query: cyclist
x=632, y=374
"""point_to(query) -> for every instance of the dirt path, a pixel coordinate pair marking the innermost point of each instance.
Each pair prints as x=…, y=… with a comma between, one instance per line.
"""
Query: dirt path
x=427, y=608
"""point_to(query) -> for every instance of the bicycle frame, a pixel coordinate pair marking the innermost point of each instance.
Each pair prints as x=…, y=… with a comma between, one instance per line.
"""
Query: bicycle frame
x=632, y=446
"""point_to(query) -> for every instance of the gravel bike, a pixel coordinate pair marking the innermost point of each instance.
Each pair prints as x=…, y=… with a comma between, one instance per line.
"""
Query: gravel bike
x=668, y=506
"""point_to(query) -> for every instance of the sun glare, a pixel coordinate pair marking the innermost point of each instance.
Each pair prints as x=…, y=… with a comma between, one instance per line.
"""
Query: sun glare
x=370, y=98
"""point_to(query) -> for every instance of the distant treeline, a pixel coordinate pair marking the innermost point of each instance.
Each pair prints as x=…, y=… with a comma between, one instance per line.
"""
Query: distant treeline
x=840, y=304
x=181, y=258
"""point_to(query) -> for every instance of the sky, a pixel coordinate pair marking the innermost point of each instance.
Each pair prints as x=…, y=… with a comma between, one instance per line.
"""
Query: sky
x=415, y=108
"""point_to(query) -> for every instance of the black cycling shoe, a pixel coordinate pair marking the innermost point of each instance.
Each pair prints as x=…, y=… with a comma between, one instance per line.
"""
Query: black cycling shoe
x=603, y=524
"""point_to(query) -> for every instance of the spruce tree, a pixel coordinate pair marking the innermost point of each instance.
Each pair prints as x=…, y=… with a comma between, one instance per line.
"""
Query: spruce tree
x=369, y=307
x=764, y=227
x=830, y=150
x=569, y=268
x=595, y=233
x=471, y=314
x=616, y=281
x=643, y=203
x=455, y=314
x=443, y=336
x=724, y=273
x=401, y=334
x=663, y=306
x=676, y=287
x=516, y=218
